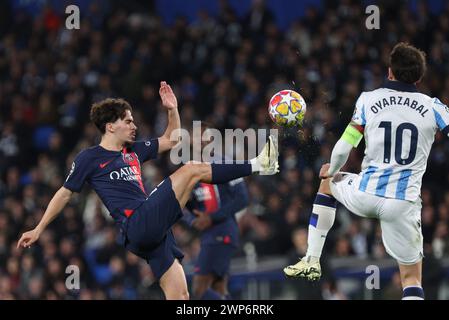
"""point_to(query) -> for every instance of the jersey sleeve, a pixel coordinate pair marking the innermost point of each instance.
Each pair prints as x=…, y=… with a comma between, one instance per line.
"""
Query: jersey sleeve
x=238, y=200
x=353, y=133
x=146, y=150
x=358, y=116
x=441, y=112
x=79, y=173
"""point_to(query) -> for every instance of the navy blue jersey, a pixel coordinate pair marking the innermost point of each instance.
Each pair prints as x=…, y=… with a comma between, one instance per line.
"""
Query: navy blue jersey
x=114, y=175
x=221, y=202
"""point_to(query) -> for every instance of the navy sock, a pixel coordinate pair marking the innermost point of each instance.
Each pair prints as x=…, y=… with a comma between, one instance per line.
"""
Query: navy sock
x=210, y=294
x=413, y=293
x=325, y=200
x=224, y=172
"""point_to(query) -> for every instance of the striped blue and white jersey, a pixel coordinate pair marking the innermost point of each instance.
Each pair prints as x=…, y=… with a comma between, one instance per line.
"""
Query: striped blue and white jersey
x=399, y=129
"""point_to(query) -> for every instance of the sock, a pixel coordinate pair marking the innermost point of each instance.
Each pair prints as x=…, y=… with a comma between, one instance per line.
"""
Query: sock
x=255, y=165
x=210, y=294
x=321, y=221
x=413, y=293
x=224, y=172
x=228, y=296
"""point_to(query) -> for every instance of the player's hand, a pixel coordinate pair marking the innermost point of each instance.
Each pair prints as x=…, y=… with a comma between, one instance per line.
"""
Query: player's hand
x=167, y=96
x=324, y=172
x=28, y=238
x=202, y=220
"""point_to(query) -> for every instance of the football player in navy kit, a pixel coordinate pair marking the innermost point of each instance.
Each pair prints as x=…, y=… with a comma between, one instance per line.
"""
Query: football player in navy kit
x=144, y=220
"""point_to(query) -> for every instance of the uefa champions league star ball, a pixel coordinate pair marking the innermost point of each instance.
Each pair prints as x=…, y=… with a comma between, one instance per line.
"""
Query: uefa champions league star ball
x=287, y=108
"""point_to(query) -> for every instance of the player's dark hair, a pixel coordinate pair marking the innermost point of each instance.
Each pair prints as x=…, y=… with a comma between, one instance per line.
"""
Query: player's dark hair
x=407, y=63
x=108, y=110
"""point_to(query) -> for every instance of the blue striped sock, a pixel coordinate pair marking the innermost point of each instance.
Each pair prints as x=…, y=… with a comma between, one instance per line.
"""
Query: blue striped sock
x=321, y=221
x=413, y=293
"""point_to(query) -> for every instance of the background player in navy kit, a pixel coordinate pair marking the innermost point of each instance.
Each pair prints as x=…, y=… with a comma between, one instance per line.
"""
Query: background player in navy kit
x=214, y=208
x=144, y=220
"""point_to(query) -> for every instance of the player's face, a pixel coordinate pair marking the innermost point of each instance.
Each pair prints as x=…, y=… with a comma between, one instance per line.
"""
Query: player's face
x=125, y=129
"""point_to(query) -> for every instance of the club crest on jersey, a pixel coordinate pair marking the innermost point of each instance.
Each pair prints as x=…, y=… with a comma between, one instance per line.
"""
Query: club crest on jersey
x=128, y=157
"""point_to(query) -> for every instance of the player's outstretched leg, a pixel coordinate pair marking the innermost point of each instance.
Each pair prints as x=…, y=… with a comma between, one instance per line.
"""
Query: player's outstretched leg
x=185, y=178
x=321, y=221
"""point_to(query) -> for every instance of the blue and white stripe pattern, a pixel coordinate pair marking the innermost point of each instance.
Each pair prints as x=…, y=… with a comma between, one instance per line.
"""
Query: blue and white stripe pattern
x=403, y=183
x=363, y=116
x=366, y=176
x=378, y=181
x=442, y=125
x=382, y=183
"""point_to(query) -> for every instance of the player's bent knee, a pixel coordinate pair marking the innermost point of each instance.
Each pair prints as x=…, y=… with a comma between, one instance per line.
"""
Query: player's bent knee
x=177, y=295
x=325, y=187
x=173, y=291
x=184, y=295
x=196, y=169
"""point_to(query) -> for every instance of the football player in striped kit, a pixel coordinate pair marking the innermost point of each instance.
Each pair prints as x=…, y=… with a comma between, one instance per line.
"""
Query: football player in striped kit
x=399, y=126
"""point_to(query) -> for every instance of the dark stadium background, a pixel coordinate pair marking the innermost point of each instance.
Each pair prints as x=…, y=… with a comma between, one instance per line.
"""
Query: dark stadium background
x=223, y=65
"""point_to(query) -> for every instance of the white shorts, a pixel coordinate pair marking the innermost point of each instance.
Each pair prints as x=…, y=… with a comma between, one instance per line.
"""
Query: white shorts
x=400, y=220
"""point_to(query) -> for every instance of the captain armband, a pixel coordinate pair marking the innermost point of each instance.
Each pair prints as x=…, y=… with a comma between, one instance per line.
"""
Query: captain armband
x=353, y=134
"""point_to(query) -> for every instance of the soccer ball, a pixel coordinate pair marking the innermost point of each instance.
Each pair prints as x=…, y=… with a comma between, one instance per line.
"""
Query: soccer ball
x=287, y=108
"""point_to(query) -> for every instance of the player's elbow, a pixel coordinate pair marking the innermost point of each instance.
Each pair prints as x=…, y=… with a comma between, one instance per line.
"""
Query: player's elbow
x=65, y=194
x=167, y=142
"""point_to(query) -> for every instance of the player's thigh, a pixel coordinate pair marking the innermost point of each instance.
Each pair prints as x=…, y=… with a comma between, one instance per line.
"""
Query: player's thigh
x=401, y=230
x=184, y=179
x=344, y=189
x=154, y=218
x=173, y=282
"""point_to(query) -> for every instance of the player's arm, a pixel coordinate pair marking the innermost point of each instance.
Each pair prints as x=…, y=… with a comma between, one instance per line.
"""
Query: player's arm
x=171, y=135
x=350, y=139
x=239, y=201
x=441, y=112
x=57, y=203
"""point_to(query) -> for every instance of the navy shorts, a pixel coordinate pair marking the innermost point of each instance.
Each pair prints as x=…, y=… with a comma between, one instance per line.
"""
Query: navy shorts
x=215, y=259
x=149, y=233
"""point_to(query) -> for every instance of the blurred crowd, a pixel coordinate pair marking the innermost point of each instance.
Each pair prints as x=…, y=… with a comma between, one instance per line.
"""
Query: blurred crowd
x=224, y=69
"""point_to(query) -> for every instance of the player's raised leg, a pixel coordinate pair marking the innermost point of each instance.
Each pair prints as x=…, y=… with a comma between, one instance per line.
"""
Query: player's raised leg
x=185, y=178
x=321, y=221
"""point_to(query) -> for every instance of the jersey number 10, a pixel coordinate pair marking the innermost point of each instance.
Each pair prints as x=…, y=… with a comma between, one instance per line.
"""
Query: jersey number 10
x=398, y=144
